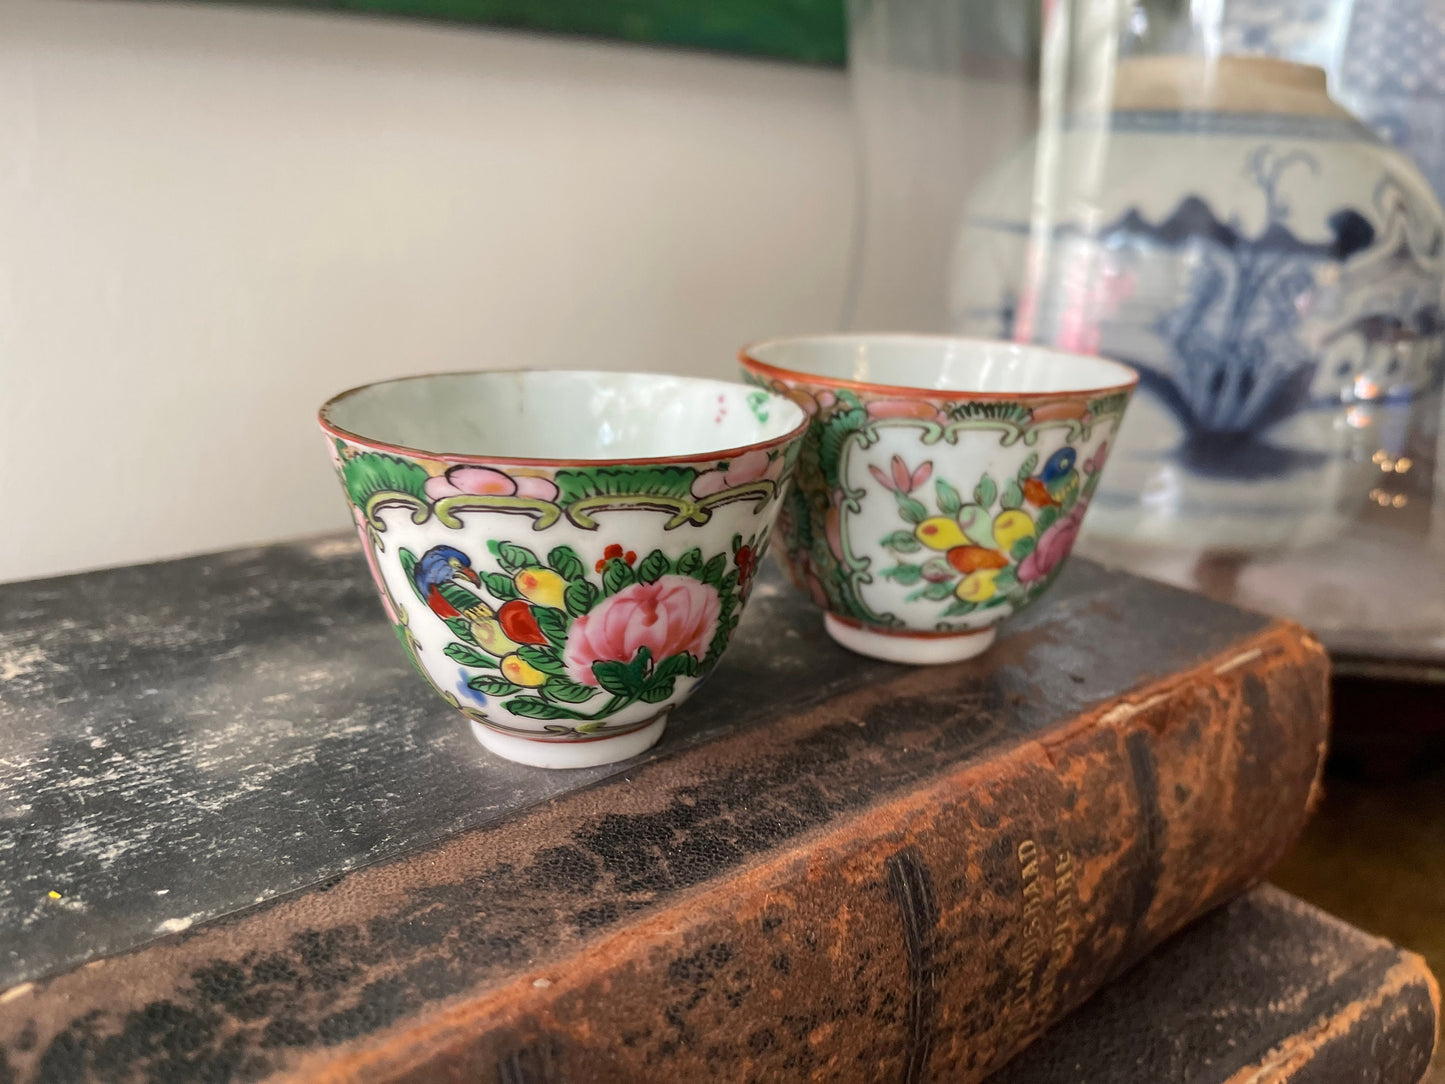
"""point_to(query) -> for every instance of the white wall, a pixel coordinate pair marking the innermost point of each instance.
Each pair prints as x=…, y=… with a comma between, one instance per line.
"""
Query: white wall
x=213, y=218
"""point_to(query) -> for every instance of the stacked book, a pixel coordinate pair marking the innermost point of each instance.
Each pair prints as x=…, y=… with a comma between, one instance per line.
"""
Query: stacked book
x=241, y=841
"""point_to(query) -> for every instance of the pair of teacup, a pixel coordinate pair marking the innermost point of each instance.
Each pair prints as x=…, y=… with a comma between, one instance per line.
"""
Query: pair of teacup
x=565, y=555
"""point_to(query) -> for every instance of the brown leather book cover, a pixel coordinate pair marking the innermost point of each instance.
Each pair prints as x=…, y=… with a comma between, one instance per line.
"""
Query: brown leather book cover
x=1266, y=990
x=829, y=868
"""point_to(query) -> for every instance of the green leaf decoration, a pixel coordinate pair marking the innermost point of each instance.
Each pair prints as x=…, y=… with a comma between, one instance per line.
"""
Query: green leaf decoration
x=758, y=404
x=469, y=656
x=1109, y=404
x=720, y=639
x=1045, y=519
x=1028, y=468
x=989, y=411
x=936, y=591
x=1023, y=547
x=728, y=586
x=512, y=557
x=911, y=510
x=1013, y=494
x=690, y=562
x=553, y=624
x=903, y=542
x=949, y=502
x=617, y=575
x=1006, y=579
x=459, y=597
x=501, y=587
x=904, y=574
x=713, y=570
x=737, y=542
x=533, y=707
x=371, y=473
x=461, y=629
x=641, y=665
x=625, y=679
x=578, y=484
x=492, y=686
x=958, y=607
x=835, y=432
x=579, y=598
x=658, y=691
x=568, y=691
x=408, y=567
x=615, y=677
x=542, y=658
x=683, y=665
x=565, y=562
x=653, y=567
x=985, y=492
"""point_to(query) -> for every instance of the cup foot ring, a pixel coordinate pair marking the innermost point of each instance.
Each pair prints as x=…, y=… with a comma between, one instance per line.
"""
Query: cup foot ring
x=571, y=754
x=910, y=650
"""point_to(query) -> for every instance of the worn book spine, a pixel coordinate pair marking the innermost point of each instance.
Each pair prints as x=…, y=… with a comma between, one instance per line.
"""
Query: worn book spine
x=894, y=884
x=1266, y=990
x=1021, y=883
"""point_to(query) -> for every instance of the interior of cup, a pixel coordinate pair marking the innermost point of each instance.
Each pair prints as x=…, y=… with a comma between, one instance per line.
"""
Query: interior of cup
x=561, y=415
x=939, y=363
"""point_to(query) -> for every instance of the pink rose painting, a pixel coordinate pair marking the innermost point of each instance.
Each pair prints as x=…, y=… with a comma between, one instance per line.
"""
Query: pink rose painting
x=749, y=467
x=903, y=408
x=1053, y=546
x=486, y=481
x=675, y=615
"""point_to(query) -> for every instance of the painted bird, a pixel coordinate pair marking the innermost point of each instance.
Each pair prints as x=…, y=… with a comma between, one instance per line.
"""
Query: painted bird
x=439, y=566
x=1056, y=482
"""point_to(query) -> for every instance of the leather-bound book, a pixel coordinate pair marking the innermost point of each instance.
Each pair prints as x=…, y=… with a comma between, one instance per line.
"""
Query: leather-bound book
x=1267, y=990
x=239, y=839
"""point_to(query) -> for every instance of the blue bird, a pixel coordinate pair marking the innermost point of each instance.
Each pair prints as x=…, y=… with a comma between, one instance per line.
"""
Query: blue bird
x=1059, y=477
x=1058, y=465
x=439, y=566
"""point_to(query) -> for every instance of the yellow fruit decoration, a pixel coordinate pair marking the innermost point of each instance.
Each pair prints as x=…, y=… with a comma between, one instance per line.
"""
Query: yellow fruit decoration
x=542, y=586
x=489, y=634
x=519, y=672
x=940, y=533
x=978, y=586
x=1011, y=526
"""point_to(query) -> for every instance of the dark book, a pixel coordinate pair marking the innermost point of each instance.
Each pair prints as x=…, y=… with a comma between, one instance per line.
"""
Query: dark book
x=1267, y=990
x=242, y=839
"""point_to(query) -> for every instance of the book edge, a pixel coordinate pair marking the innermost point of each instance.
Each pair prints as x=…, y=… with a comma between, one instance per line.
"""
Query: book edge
x=392, y=1054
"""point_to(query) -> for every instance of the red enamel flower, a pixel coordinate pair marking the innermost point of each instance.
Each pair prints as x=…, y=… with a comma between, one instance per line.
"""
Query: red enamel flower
x=613, y=553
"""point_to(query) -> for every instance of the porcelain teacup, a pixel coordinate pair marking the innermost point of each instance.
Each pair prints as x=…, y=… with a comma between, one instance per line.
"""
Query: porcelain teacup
x=565, y=555
x=942, y=481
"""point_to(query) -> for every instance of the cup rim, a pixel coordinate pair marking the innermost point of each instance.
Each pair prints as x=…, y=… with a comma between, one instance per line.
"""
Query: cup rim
x=332, y=429
x=905, y=391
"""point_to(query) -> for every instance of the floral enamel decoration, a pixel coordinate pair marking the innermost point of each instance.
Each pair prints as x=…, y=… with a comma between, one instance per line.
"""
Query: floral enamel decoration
x=967, y=553
x=564, y=605
x=922, y=514
x=1001, y=547
x=540, y=637
x=551, y=642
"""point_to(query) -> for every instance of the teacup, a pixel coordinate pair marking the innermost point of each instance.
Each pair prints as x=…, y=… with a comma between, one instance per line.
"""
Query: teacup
x=564, y=554
x=942, y=481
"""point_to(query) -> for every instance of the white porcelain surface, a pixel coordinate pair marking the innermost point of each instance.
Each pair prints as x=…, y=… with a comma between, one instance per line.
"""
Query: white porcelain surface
x=911, y=652
x=944, y=494
x=565, y=555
